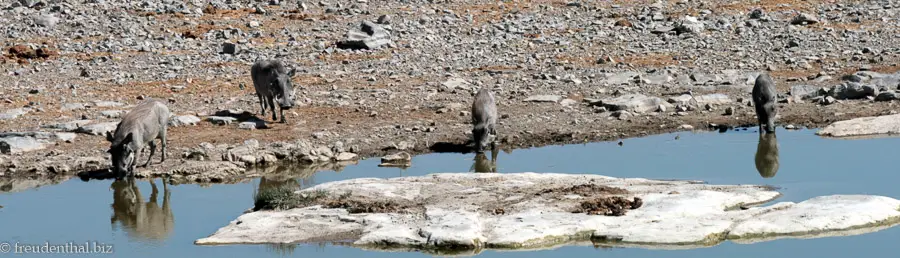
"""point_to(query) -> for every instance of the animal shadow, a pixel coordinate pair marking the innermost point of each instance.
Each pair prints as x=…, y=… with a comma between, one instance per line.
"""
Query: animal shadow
x=244, y=116
x=766, y=158
x=140, y=219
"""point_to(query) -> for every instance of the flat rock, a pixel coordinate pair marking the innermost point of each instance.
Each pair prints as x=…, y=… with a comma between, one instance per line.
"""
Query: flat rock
x=831, y=213
x=863, y=126
x=13, y=113
x=541, y=210
x=73, y=106
x=713, y=99
x=221, y=120
x=100, y=103
x=455, y=83
x=14, y=145
x=621, y=78
x=67, y=126
x=98, y=129
x=184, y=120
x=112, y=113
x=631, y=102
x=544, y=98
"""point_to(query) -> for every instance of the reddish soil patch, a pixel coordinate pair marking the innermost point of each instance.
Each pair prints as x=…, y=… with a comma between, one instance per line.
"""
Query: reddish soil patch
x=585, y=190
x=609, y=206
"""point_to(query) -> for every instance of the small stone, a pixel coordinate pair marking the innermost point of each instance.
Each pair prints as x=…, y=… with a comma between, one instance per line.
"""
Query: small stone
x=230, y=48
x=729, y=111
x=112, y=113
x=46, y=20
x=804, y=19
x=184, y=120
x=686, y=127
x=384, y=19
x=345, y=156
x=247, y=125
x=400, y=159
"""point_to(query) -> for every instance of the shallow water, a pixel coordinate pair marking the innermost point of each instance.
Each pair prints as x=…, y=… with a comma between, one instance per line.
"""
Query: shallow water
x=118, y=215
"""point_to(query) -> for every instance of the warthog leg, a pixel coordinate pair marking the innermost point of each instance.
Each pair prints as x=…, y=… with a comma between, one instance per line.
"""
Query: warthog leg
x=262, y=104
x=271, y=102
x=152, y=146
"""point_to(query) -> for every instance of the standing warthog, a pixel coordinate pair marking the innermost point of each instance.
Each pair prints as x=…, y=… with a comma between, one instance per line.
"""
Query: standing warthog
x=764, y=95
x=140, y=126
x=484, y=119
x=272, y=81
x=766, y=158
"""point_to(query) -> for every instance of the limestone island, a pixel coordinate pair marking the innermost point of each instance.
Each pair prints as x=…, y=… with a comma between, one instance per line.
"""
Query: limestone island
x=469, y=212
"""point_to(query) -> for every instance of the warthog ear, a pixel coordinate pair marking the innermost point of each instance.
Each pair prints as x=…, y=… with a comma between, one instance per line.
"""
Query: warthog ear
x=128, y=138
x=109, y=136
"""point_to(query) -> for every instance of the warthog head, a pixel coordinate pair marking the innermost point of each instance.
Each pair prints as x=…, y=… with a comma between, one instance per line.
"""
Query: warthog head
x=123, y=157
x=482, y=137
x=284, y=90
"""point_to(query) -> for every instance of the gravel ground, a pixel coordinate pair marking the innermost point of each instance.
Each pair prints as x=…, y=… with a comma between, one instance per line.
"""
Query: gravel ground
x=562, y=72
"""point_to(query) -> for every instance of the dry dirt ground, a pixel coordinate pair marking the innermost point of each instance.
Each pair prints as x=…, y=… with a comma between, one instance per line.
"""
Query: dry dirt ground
x=378, y=102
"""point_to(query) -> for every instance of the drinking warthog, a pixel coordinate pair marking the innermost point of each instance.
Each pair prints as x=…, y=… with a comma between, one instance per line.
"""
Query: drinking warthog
x=272, y=81
x=766, y=158
x=764, y=95
x=484, y=119
x=140, y=126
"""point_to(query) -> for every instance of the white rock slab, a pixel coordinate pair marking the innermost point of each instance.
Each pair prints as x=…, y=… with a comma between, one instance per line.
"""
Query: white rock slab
x=451, y=210
x=863, y=126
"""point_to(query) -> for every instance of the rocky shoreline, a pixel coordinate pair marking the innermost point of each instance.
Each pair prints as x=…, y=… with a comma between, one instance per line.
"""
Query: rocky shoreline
x=380, y=79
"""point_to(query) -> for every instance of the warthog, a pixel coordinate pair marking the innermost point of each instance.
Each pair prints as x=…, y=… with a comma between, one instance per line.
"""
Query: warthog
x=484, y=119
x=766, y=158
x=764, y=95
x=272, y=81
x=139, y=127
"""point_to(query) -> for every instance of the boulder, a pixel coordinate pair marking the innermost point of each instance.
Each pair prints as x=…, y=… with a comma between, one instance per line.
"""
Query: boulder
x=369, y=36
x=863, y=126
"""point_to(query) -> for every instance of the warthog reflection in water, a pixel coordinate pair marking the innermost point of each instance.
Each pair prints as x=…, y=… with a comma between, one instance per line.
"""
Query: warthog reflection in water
x=141, y=220
x=766, y=158
x=483, y=165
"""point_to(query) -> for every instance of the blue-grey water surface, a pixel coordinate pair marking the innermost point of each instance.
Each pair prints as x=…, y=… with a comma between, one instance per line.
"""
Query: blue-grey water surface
x=77, y=211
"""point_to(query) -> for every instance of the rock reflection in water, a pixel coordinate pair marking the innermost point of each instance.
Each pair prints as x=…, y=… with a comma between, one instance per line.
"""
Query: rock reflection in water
x=141, y=220
x=767, y=155
x=483, y=165
x=295, y=176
